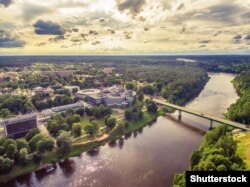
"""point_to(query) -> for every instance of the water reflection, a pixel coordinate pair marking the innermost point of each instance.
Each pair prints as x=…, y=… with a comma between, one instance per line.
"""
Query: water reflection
x=151, y=157
x=121, y=143
x=112, y=144
x=67, y=167
x=94, y=152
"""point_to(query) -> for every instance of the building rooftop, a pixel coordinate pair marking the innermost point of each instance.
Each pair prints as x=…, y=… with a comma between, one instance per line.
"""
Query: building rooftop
x=19, y=119
x=53, y=110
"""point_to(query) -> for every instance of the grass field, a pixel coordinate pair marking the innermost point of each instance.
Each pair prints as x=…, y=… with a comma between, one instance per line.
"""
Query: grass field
x=18, y=170
x=243, y=149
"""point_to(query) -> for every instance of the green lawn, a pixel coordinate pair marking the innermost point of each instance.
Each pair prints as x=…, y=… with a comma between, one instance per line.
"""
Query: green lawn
x=85, y=121
x=243, y=149
x=135, y=125
x=18, y=170
x=79, y=149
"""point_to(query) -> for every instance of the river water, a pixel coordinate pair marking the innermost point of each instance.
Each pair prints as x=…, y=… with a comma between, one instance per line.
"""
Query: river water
x=148, y=158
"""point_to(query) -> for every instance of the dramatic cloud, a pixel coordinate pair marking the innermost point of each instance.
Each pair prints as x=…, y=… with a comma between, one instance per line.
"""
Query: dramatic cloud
x=133, y=6
x=124, y=26
x=6, y=3
x=237, y=38
x=7, y=41
x=47, y=28
x=247, y=37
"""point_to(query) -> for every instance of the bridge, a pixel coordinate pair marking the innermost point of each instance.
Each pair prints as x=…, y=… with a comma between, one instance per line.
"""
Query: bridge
x=202, y=115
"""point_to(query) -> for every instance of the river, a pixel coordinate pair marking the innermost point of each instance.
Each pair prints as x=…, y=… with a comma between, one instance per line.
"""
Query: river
x=147, y=158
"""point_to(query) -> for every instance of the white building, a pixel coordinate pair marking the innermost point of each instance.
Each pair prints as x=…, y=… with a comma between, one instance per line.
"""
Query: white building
x=64, y=108
x=114, y=96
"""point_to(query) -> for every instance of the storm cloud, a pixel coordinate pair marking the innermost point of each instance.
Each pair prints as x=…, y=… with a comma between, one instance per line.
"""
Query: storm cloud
x=6, y=3
x=10, y=42
x=48, y=28
x=237, y=38
x=133, y=6
x=247, y=37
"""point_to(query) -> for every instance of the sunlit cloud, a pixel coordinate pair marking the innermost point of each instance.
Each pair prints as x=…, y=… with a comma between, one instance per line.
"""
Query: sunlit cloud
x=124, y=26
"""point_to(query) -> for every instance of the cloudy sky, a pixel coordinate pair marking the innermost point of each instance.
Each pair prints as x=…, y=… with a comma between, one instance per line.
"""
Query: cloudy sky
x=124, y=26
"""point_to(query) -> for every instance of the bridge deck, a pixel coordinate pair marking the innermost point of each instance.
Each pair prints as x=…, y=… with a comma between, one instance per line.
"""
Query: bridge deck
x=202, y=115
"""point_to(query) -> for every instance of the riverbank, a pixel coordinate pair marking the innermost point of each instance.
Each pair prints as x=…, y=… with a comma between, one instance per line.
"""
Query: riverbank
x=158, y=144
x=81, y=147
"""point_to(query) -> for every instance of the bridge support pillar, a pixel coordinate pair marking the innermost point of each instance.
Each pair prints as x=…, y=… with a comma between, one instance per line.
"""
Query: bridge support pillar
x=179, y=116
x=211, y=124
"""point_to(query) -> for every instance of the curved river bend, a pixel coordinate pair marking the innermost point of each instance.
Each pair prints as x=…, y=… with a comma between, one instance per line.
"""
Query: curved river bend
x=147, y=158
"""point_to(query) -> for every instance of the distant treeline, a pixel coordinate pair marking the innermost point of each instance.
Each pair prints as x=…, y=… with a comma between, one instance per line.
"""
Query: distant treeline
x=215, y=63
x=176, y=84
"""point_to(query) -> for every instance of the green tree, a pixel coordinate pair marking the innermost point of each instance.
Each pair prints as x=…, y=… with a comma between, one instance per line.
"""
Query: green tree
x=44, y=145
x=140, y=96
x=64, y=143
x=91, y=128
x=23, y=156
x=5, y=164
x=53, y=127
x=5, y=113
x=37, y=157
x=110, y=122
x=7, y=142
x=11, y=150
x=221, y=168
x=34, y=140
x=76, y=129
x=80, y=111
x=31, y=133
x=128, y=114
x=22, y=143
x=130, y=85
x=152, y=107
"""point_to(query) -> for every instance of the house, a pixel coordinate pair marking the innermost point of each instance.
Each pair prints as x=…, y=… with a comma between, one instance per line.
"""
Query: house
x=108, y=70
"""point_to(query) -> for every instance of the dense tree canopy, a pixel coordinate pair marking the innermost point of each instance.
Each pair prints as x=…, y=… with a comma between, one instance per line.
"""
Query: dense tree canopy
x=176, y=84
x=240, y=111
x=14, y=104
x=217, y=152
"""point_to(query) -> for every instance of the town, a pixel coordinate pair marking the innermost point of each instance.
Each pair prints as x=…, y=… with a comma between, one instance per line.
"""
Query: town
x=55, y=111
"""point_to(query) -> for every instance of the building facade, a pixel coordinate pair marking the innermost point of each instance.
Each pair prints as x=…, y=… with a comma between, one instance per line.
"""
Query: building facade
x=19, y=126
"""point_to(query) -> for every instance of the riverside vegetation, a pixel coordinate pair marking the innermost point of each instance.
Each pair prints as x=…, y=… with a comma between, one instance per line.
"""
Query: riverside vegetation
x=220, y=150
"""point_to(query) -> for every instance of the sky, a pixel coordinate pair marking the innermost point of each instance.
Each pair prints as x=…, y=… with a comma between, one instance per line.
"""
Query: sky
x=83, y=27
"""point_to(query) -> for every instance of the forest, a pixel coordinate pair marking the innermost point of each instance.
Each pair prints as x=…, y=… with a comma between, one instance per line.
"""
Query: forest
x=240, y=111
x=176, y=84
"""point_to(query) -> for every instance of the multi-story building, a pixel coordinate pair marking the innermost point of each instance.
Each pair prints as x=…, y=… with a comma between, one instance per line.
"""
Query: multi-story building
x=20, y=125
x=114, y=96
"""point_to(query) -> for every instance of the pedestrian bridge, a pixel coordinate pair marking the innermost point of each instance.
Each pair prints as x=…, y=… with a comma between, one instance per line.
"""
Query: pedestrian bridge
x=202, y=115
